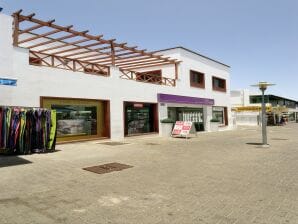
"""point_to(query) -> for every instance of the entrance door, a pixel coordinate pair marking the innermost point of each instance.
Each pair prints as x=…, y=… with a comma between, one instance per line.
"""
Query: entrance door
x=140, y=118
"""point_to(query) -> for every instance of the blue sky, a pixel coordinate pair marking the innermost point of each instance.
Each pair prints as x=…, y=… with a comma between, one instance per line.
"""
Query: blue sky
x=258, y=39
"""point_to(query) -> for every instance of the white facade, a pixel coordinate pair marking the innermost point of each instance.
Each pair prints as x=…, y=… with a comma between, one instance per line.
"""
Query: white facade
x=35, y=81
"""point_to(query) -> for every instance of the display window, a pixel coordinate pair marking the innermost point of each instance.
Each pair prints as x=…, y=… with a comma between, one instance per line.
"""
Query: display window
x=79, y=118
x=140, y=118
x=194, y=115
x=221, y=114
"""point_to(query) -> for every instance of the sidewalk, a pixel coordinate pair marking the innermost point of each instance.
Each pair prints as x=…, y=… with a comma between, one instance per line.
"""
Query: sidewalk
x=220, y=177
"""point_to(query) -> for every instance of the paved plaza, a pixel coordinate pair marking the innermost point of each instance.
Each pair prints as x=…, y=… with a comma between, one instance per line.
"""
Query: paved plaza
x=221, y=177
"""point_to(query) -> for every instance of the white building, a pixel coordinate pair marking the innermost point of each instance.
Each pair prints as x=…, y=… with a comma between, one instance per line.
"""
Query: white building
x=246, y=107
x=99, y=92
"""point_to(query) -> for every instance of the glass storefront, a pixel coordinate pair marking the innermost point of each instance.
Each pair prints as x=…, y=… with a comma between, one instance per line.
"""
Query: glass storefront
x=78, y=119
x=194, y=115
x=221, y=114
x=140, y=118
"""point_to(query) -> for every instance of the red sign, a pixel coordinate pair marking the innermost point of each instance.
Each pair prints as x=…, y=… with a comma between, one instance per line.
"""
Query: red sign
x=138, y=105
x=182, y=128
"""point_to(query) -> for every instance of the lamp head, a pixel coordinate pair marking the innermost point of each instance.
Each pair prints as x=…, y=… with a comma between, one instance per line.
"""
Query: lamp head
x=263, y=85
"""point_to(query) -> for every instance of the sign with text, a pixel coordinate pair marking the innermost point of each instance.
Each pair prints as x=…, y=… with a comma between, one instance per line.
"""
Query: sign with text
x=183, y=128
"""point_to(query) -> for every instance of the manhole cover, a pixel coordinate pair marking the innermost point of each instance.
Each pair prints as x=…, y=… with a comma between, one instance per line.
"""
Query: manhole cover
x=107, y=168
x=113, y=143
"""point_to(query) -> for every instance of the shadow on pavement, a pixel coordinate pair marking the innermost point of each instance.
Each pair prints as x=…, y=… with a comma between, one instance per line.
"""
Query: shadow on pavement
x=6, y=161
x=254, y=143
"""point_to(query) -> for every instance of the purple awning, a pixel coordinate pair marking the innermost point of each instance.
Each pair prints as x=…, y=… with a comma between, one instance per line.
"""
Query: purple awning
x=168, y=98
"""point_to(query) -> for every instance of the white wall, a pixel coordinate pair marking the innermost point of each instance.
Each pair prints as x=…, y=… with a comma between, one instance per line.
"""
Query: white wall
x=35, y=81
x=6, y=58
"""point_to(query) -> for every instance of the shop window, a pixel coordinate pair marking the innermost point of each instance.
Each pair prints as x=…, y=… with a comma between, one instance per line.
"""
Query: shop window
x=150, y=76
x=79, y=119
x=140, y=118
x=221, y=114
x=197, y=79
x=34, y=61
x=219, y=84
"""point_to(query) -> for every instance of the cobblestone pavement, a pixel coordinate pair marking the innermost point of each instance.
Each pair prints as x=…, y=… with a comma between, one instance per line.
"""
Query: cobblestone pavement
x=213, y=178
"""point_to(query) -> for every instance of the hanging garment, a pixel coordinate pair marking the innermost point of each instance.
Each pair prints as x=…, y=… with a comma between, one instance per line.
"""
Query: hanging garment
x=27, y=131
x=1, y=122
x=14, y=129
x=52, y=139
x=7, y=126
x=22, y=131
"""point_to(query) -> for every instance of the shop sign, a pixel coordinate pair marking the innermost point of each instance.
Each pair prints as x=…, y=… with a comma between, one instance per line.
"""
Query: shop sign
x=183, y=129
x=138, y=105
x=8, y=82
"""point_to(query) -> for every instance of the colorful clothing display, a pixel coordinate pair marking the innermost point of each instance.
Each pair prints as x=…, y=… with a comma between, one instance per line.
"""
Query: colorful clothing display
x=27, y=130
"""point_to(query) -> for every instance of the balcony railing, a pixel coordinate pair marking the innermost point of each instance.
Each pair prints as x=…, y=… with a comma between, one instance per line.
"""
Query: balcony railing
x=147, y=78
x=53, y=61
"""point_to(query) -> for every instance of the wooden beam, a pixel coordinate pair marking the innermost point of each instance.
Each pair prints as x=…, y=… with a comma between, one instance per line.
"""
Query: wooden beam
x=16, y=26
x=80, y=47
x=112, y=54
x=39, y=36
x=54, y=26
x=52, y=41
x=123, y=58
x=154, y=64
x=176, y=71
x=138, y=62
x=34, y=27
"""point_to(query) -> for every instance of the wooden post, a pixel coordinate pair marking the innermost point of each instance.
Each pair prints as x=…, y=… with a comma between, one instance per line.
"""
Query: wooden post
x=112, y=53
x=16, y=27
x=176, y=71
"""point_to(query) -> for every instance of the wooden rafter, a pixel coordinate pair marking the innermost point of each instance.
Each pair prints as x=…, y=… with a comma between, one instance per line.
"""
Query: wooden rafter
x=78, y=52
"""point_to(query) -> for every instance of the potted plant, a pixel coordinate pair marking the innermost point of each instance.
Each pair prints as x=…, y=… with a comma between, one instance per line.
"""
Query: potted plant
x=214, y=123
x=166, y=127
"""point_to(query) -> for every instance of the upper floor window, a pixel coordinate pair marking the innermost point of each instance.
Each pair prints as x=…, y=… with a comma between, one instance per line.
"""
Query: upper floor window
x=219, y=84
x=197, y=79
x=150, y=76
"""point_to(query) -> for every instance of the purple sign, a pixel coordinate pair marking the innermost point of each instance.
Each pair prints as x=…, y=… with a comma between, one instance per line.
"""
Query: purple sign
x=168, y=98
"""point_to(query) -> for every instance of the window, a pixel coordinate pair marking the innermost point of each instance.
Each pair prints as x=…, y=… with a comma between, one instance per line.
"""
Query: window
x=149, y=76
x=197, y=79
x=219, y=84
x=221, y=114
x=79, y=118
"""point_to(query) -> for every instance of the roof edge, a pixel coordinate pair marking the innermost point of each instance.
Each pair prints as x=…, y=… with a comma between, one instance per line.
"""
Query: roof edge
x=193, y=52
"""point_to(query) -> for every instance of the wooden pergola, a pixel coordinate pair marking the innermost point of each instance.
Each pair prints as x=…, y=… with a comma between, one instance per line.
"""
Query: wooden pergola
x=65, y=48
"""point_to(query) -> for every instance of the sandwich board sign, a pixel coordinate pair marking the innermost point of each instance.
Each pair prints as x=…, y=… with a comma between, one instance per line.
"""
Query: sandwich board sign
x=183, y=129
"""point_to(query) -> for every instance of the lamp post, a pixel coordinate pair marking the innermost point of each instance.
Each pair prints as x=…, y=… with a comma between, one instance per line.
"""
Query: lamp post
x=263, y=86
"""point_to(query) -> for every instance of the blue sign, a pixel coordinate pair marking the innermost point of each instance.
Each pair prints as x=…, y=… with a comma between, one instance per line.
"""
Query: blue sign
x=8, y=82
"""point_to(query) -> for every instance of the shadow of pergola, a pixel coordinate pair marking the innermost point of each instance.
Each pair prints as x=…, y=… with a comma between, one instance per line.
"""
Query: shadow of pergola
x=6, y=161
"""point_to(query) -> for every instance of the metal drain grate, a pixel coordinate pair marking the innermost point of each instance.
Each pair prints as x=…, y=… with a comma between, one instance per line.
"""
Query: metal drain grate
x=107, y=168
x=113, y=143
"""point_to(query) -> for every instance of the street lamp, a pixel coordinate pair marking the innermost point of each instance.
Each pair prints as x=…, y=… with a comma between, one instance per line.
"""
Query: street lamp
x=263, y=86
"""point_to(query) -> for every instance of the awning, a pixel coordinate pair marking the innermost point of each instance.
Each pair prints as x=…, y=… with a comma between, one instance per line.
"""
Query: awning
x=168, y=98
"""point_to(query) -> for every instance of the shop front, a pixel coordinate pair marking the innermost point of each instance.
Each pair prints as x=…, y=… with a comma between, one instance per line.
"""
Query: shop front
x=185, y=108
x=140, y=118
x=192, y=114
x=79, y=119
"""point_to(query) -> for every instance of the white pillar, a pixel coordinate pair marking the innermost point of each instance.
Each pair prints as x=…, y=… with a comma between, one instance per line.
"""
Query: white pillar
x=207, y=111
